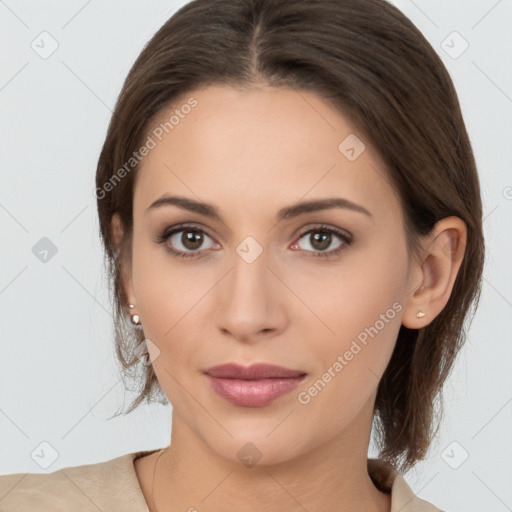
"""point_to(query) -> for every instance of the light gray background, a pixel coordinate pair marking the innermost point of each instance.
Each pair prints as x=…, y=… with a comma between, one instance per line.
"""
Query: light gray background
x=59, y=380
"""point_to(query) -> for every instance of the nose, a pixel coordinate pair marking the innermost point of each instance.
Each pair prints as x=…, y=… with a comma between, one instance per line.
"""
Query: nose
x=252, y=301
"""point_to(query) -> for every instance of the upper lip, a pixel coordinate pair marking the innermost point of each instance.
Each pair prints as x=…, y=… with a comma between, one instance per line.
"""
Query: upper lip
x=252, y=372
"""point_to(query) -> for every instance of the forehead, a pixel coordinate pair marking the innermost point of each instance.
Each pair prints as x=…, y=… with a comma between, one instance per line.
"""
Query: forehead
x=242, y=146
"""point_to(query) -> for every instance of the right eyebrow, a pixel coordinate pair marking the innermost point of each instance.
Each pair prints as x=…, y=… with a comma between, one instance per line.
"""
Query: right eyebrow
x=288, y=212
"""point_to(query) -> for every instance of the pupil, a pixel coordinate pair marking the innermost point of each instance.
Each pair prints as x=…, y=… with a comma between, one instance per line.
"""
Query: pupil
x=192, y=239
x=326, y=240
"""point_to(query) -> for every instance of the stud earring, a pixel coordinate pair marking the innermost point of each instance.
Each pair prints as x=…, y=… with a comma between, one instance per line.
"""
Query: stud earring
x=135, y=319
x=420, y=314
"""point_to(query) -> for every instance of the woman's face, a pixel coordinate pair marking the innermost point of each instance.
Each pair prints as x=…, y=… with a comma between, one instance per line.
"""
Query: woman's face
x=256, y=287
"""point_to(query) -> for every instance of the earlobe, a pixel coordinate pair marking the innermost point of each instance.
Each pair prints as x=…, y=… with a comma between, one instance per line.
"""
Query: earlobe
x=435, y=275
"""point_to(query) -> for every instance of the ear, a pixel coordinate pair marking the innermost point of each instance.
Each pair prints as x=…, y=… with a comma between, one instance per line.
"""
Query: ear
x=127, y=282
x=432, y=278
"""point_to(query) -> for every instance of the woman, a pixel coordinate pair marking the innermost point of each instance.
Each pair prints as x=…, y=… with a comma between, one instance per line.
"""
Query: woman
x=291, y=215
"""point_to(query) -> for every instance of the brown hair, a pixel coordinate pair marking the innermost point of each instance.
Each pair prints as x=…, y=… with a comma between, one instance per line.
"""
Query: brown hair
x=369, y=61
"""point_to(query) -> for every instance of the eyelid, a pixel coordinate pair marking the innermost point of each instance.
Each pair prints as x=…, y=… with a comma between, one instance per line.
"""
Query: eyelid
x=319, y=226
x=191, y=225
x=172, y=230
x=345, y=236
x=300, y=231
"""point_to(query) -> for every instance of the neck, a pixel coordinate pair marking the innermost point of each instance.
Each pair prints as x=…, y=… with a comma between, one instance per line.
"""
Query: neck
x=189, y=475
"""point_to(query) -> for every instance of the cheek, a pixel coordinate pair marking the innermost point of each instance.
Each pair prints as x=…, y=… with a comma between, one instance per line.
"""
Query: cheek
x=166, y=289
x=169, y=307
x=350, y=362
x=360, y=309
x=168, y=299
x=354, y=295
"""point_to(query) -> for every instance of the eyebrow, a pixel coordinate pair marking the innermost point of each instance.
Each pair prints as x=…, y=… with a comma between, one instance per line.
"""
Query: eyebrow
x=288, y=212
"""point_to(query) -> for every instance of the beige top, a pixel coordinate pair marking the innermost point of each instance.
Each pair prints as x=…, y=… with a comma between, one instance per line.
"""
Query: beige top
x=112, y=486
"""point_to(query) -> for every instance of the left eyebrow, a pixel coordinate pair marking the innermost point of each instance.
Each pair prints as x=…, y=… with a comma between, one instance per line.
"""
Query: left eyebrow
x=288, y=212
x=320, y=204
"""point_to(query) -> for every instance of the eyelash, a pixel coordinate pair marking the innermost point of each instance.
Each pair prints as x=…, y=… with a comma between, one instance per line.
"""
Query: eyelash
x=345, y=237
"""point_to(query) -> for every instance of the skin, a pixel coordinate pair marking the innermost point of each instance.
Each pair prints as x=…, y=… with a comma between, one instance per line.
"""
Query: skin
x=250, y=153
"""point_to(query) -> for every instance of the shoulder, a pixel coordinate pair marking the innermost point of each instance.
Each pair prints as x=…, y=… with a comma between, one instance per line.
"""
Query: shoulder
x=111, y=485
x=388, y=479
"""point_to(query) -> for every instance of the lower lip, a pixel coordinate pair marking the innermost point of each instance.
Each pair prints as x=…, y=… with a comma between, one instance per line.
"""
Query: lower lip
x=253, y=393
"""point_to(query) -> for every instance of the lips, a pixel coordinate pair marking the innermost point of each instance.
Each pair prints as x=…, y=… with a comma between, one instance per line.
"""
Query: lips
x=253, y=372
x=255, y=386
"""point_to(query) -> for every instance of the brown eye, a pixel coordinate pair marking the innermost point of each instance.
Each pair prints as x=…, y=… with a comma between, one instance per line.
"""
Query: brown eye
x=191, y=239
x=185, y=241
x=322, y=238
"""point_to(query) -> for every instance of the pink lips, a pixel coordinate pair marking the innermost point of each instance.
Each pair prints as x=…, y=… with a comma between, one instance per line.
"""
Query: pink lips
x=254, y=386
